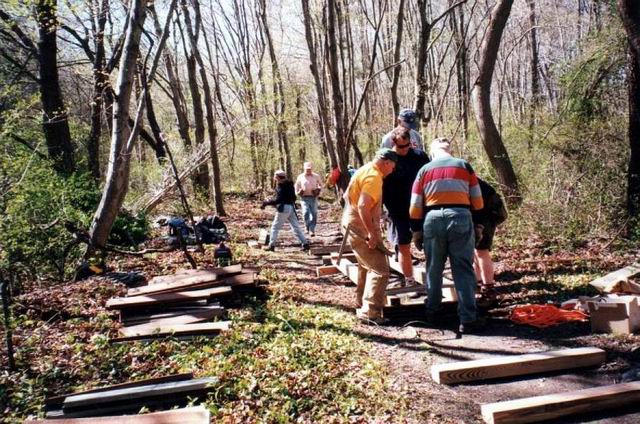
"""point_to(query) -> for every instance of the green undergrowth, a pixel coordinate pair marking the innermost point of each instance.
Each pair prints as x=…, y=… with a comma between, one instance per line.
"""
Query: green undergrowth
x=281, y=362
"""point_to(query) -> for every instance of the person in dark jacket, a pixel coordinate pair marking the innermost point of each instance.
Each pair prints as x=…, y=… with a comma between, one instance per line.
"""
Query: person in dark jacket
x=396, y=196
x=485, y=221
x=285, y=206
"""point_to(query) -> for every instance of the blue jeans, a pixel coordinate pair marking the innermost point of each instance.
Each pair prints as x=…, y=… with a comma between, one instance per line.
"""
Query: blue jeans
x=448, y=232
x=288, y=214
x=310, y=212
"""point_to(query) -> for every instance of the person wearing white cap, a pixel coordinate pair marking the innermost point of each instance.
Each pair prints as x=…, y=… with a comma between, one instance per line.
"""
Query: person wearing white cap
x=406, y=118
x=286, y=212
x=308, y=186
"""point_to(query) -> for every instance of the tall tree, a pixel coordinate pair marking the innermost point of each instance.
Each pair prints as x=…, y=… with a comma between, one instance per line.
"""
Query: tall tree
x=55, y=120
x=491, y=138
x=630, y=14
x=535, y=66
x=124, y=136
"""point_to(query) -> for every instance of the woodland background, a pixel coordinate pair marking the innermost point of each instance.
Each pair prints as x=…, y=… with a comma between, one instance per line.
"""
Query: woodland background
x=97, y=95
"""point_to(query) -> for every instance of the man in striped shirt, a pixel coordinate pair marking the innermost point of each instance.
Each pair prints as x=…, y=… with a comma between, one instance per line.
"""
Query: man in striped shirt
x=443, y=194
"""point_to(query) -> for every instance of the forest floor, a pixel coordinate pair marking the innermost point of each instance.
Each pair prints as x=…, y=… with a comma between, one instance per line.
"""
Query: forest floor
x=296, y=352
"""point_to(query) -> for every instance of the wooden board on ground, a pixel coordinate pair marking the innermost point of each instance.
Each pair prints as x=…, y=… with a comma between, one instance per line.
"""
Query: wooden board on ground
x=254, y=244
x=331, y=248
x=328, y=259
x=152, y=331
x=608, y=283
x=516, y=365
x=167, y=298
x=193, y=415
x=182, y=317
x=54, y=401
x=263, y=237
x=172, y=389
x=193, y=274
x=418, y=273
x=326, y=270
x=542, y=408
x=247, y=278
x=348, y=267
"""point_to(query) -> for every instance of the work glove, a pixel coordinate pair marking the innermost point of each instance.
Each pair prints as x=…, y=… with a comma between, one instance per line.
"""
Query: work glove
x=418, y=240
x=478, y=228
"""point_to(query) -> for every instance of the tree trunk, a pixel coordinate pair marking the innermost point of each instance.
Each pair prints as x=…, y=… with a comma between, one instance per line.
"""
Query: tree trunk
x=630, y=15
x=396, y=59
x=119, y=159
x=324, y=123
x=491, y=139
x=100, y=81
x=217, y=195
x=420, y=82
x=279, y=105
x=336, y=91
x=177, y=96
x=535, y=69
x=55, y=118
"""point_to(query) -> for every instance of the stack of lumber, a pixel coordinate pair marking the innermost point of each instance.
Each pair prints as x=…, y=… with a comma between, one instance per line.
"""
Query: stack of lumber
x=179, y=304
x=193, y=415
x=155, y=393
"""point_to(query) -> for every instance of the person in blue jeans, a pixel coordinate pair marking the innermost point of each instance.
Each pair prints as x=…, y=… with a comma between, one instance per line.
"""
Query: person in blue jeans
x=308, y=186
x=444, y=192
x=286, y=212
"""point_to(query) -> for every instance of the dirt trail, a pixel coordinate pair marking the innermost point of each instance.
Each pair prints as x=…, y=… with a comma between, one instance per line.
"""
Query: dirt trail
x=410, y=348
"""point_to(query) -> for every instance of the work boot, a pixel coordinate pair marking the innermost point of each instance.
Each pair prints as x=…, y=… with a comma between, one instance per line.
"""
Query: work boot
x=306, y=247
x=269, y=248
x=472, y=327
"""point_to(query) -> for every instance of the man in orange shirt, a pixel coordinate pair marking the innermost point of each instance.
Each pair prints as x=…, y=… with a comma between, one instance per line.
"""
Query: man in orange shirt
x=363, y=200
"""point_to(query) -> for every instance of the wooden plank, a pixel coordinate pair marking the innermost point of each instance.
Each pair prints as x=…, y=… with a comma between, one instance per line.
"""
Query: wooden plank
x=58, y=399
x=509, y=366
x=193, y=415
x=263, y=237
x=328, y=259
x=241, y=279
x=177, y=330
x=131, y=393
x=349, y=268
x=326, y=270
x=163, y=298
x=254, y=244
x=418, y=273
x=192, y=274
x=186, y=317
x=542, y=408
x=331, y=248
x=607, y=283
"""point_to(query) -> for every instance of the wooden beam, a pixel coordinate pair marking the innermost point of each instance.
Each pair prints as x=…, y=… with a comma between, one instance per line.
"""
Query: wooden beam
x=509, y=366
x=152, y=331
x=92, y=400
x=193, y=415
x=236, y=280
x=190, y=273
x=58, y=399
x=607, y=283
x=163, y=298
x=542, y=408
x=328, y=259
x=181, y=318
x=331, y=248
x=326, y=270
